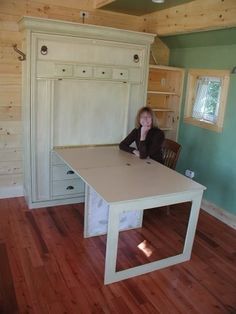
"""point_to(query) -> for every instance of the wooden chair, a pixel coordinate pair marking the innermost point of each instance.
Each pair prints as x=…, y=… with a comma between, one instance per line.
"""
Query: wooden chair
x=170, y=151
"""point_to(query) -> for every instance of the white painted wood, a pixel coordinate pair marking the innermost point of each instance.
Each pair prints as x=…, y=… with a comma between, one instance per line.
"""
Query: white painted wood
x=85, y=90
x=67, y=187
x=84, y=30
x=80, y=158
x=134, y=178
x=63, y=172
x=111, y=275
x=41, y=140
x=48, y=69
x=125, y=182
x=88, y=114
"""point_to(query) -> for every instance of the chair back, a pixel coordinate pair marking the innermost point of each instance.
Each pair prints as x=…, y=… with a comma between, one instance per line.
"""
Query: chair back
x=170, y=152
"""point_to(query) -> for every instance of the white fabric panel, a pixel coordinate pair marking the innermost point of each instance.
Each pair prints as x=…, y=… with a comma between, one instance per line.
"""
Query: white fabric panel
x=97, y=219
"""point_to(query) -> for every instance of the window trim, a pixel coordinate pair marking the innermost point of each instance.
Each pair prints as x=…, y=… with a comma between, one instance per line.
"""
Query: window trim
x=224, y=75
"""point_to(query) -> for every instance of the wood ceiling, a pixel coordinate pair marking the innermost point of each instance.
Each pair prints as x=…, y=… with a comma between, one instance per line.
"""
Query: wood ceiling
x=138, y=7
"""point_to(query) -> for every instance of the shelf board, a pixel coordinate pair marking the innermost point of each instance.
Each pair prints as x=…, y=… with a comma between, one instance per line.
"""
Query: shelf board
x=162, y=110
x=162, y=93
x=166, y=129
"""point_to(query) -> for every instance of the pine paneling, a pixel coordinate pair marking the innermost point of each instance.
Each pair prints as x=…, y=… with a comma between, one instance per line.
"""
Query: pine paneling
x=10, y=127
x=12, y=113
x=11, y=141
x=11, y=154
x=194, y=16
x=10, y=167
x=9, y=180
x=10, y=67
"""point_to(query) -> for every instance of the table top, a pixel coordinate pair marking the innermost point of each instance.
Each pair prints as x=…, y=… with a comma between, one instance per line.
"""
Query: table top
x=119, y=176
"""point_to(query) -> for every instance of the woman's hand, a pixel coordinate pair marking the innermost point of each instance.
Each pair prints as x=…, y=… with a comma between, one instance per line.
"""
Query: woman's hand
x=144, y=131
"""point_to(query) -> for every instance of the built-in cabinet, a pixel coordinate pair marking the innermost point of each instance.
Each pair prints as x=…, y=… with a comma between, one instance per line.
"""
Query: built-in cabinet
x=82, y=85
x=165, y=85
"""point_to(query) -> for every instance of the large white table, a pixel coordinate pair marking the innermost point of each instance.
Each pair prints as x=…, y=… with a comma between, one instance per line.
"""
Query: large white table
x=126, y=183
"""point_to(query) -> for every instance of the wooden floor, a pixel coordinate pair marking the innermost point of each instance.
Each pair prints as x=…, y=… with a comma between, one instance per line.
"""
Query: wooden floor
x=46, y=266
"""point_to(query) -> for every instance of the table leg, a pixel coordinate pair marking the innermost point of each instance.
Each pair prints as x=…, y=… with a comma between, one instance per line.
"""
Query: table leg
x=113, y=236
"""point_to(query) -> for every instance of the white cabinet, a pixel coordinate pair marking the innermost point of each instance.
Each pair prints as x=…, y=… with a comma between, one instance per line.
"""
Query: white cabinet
x=164, y=96
x=82, y=85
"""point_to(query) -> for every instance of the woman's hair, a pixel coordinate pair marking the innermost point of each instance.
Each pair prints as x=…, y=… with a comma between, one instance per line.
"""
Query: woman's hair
x=148, y=110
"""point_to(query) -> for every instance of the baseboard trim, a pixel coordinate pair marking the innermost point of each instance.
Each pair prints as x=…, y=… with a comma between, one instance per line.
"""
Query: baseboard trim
x=219, y=213
x=13, y=191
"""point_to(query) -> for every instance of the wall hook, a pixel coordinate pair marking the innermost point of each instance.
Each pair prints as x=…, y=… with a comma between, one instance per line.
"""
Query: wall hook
x=233, y=70
x=22, y=54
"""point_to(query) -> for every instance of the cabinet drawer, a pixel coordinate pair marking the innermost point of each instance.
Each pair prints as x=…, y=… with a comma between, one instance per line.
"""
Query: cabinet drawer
x=63, y=172
x=120, y=74
x=67, y=187
x=64, y=70
x=83, y=71
x=102, y=72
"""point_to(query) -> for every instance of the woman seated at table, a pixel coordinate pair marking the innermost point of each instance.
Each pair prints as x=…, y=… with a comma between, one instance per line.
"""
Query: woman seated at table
x=147, y=136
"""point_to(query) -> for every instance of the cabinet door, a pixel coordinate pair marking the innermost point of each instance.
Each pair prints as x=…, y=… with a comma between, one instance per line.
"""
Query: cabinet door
x=89, y=112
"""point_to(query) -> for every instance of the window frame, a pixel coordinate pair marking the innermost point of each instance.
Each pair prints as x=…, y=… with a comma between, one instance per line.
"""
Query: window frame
x=193, y=74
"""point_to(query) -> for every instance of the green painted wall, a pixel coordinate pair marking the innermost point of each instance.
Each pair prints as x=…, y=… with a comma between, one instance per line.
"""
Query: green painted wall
x=211, y=155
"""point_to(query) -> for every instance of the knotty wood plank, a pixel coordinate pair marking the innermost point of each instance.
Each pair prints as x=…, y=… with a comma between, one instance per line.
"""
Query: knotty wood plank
x=194, y=16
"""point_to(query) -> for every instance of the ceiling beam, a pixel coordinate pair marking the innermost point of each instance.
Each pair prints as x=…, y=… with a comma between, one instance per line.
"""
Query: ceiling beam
x=195, y=16
x=98, y=4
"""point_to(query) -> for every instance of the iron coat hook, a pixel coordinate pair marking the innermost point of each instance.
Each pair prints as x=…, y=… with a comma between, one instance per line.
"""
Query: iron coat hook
x=22, y=54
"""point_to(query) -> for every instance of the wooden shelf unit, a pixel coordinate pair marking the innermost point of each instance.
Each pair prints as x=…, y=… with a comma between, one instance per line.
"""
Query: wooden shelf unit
x=164, y=95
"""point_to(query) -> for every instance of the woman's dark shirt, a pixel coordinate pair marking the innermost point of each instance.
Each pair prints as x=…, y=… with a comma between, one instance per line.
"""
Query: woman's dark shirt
x=150, y=147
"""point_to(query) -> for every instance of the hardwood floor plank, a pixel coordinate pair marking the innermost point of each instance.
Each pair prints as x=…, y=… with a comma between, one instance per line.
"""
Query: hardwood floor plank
x=37, y=232
x=50, y=268
x=8, y=303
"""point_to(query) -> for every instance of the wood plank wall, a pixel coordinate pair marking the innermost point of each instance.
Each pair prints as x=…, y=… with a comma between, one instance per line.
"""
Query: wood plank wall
x=199, y=14
x=10, y=71
x=194, y=16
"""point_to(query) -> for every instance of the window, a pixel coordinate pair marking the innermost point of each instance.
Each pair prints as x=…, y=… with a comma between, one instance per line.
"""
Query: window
x=206, y=98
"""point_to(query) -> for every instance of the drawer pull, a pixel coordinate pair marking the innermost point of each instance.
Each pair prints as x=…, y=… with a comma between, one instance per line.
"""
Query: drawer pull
x=121, y=73
x=63, y=70
x=44, y=50
x=70, y=172
x=136, y=58
x=103, y=72
x=70, y=187
x=84, y=71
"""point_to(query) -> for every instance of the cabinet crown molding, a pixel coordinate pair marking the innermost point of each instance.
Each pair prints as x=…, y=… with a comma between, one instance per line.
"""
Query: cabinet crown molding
x=59, y=27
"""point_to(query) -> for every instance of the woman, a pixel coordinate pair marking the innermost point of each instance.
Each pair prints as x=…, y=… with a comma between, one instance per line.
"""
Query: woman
x=147, y=136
